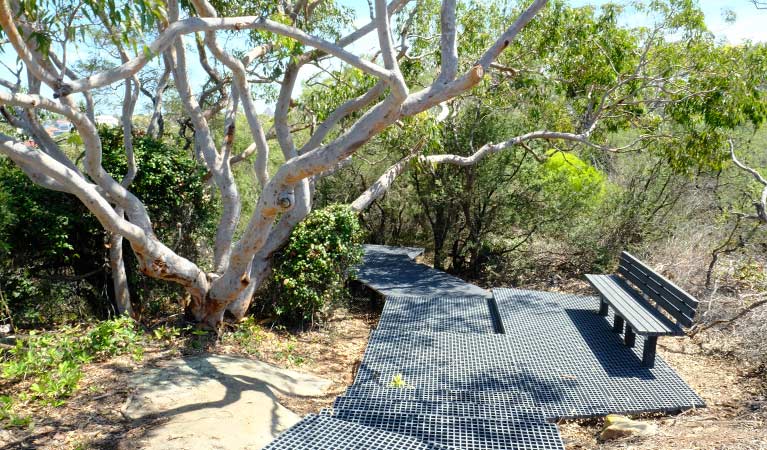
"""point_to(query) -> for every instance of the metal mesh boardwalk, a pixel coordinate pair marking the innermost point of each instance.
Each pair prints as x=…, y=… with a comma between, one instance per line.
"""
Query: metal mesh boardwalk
x=438, y=314
x=394, y=273
x=467, y=433
x=575, y=366
x=509, y=410
x=446, y=369
x=320, y=432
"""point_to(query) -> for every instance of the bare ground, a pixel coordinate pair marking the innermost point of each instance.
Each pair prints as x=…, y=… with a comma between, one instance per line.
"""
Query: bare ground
x=736, y=395
x=735, y=416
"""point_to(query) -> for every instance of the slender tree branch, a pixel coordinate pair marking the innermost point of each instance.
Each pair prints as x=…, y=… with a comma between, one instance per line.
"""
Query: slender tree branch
x=166, y=39
x=761, y=205
x=448, y=46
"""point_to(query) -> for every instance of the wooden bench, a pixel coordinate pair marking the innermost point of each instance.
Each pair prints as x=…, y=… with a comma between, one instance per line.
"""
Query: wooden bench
x=629, y=293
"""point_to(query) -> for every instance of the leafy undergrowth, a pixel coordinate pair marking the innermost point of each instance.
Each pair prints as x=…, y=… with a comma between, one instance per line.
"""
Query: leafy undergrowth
x=47, y=367
x=88, y=415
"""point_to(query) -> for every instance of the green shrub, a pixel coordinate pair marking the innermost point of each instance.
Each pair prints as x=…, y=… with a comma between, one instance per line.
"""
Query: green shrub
x=169, y=182
x=52, y=361
x=54, y=250
x=565, y=171
x=248, y=336
x=311, y=270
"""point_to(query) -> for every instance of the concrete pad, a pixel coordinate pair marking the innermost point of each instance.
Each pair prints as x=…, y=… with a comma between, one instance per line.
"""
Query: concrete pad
x=215, y=402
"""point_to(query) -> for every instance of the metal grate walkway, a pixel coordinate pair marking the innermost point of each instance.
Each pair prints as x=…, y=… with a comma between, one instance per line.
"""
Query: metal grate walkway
x=392, y=272
x=575, y=366
x=468, y=372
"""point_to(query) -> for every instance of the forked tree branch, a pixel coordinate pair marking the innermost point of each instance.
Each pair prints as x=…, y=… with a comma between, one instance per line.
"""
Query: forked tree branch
x=761, y=204
x=285, y=197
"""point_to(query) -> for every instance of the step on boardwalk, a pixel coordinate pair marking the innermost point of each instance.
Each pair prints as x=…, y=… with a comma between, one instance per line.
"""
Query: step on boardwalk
x=454, y=368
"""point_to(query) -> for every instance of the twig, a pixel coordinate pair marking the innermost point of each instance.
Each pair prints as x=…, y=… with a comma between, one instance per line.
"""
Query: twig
x=737, y=316
x=7, y=310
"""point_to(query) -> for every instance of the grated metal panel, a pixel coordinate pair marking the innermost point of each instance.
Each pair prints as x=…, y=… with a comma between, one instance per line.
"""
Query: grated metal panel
x=465, y=433
x=514, y=412
x=438, y=314
x=327, y=433
x=393, y=273
x=432, y=361
x=377, y=390
x=575, y=366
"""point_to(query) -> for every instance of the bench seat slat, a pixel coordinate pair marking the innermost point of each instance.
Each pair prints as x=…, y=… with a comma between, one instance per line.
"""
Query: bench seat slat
x=643, y=317
x=629, y=308
x=615, y=296
x=668, y=285
x=676, y=307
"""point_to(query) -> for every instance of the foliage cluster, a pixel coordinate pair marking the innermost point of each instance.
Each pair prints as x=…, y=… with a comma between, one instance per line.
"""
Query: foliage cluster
x=248, y=336
x=551, y=208
x=170, y=183
x=55, y=269
x=51, y=269
x=52, y=362
x=310, y=272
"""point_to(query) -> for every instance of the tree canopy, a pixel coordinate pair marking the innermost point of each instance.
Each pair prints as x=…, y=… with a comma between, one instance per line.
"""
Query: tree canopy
x=492, y=109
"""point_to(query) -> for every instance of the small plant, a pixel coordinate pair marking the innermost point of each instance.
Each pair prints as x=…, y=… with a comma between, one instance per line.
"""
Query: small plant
x=115, y=337
x=7, y=415
x=398, y=382
x=751, y=272
x=248, y=336
x=52, y=362
x=166, y=333
x=288, y=353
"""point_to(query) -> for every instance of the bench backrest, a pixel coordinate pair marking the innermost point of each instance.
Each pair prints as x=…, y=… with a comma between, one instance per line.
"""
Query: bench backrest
x=673, y=299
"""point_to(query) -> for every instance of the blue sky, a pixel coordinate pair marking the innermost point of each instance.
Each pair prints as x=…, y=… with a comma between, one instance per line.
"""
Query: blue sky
x=750, y=24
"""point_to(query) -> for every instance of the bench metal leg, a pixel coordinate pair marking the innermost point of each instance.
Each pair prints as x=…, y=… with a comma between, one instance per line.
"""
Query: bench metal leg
x=648, y=354
x=618, y=324
x=629, y=338
x=602, y=307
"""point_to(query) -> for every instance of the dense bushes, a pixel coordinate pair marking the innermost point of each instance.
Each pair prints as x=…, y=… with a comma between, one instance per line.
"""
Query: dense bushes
x=55, y=268
x=311, y=270
x=171, y=185
x=520, y=216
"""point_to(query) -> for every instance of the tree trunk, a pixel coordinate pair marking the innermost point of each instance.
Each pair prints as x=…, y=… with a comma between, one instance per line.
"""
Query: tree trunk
x=259, y=273
x=439, y=253
x=119, y=277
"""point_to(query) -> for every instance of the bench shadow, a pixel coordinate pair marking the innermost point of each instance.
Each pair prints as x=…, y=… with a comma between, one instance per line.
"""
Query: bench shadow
x=607, y=347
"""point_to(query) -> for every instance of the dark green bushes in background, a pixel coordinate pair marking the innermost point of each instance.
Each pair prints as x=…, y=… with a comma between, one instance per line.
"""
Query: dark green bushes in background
x=54, y=266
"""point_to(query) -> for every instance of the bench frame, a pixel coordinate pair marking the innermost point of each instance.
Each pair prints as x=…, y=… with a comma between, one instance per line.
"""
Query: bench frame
x=642, y=283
